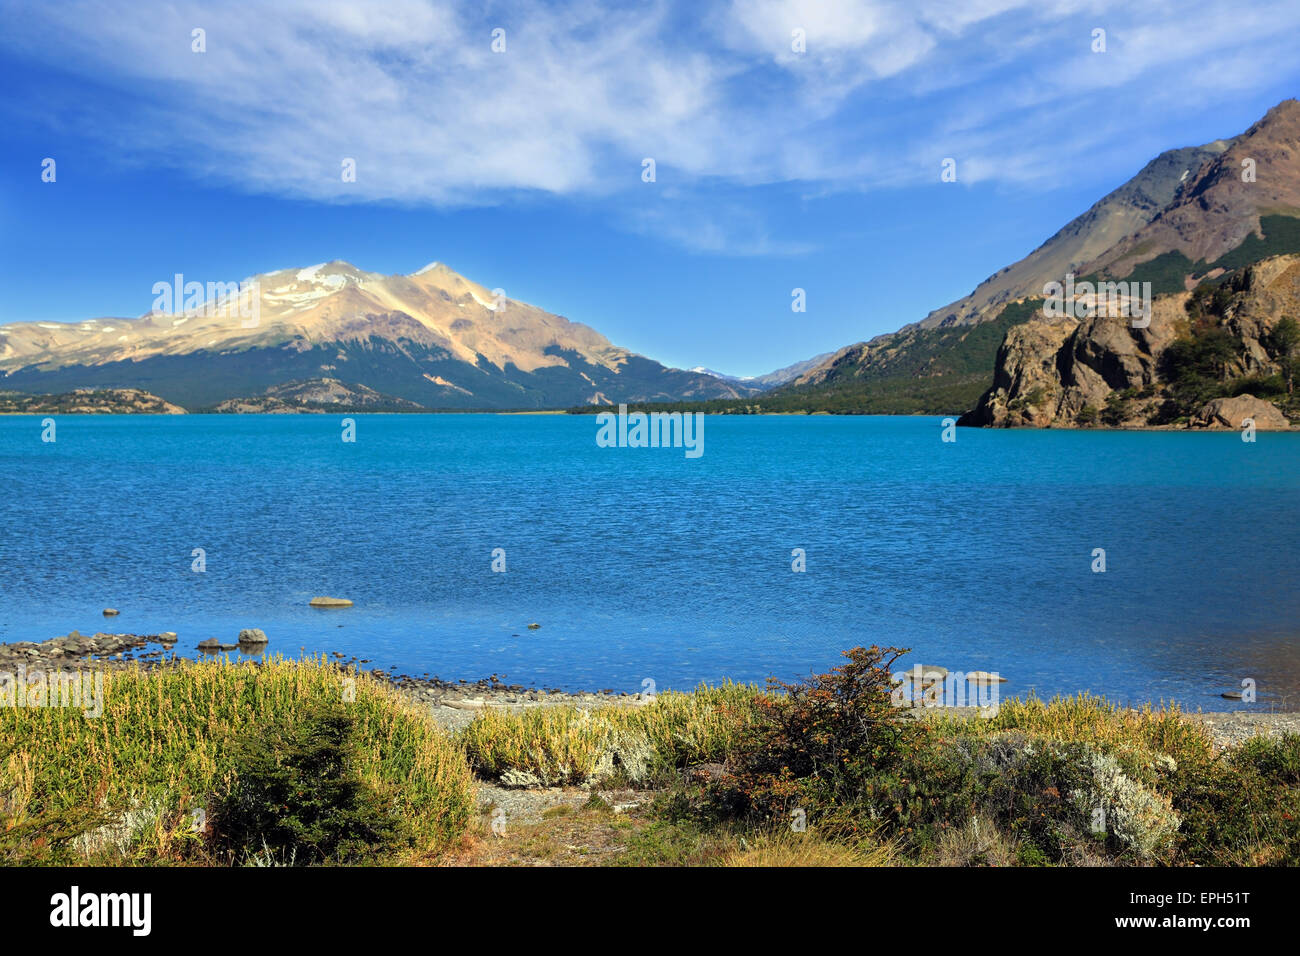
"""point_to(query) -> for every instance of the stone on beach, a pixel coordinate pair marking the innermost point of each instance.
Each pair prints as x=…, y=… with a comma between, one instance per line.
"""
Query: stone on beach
x=330, y=602
x=253, y=635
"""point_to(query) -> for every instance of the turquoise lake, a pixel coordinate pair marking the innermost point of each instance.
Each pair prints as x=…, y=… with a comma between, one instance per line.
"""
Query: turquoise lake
x=643, y=563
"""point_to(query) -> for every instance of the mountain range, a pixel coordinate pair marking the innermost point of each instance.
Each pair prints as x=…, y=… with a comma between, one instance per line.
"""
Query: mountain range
x=1191, y=215
x=332, y=335
x=432, y=339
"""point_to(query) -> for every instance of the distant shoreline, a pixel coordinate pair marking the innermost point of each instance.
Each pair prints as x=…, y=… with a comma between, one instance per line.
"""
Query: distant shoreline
x=597, y=409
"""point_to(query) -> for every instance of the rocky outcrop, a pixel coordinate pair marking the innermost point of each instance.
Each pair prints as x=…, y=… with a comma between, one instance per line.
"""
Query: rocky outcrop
x=315, y=395
x=1066, y=372
x=1234, y=412
x=1026, y=382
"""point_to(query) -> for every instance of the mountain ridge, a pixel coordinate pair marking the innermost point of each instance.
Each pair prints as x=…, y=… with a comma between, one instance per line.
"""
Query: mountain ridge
x=1184, y=206
x=434, y=338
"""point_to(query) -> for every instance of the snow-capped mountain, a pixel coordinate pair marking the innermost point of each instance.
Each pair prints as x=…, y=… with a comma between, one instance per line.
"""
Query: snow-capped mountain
x=433, y=337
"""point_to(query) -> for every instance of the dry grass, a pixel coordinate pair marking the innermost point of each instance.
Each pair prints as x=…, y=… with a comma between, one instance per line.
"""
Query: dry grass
x=1093, y=720
x=786, y=848
x=555, y=746
x=160, y=749
x=979, y=843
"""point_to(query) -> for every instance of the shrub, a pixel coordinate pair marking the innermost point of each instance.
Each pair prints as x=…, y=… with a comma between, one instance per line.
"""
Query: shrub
x=1056, y=799
x=1195, y=367
x=1275, y=760
x=1261, y=386
x=296, y=795
x=818, y=742
x=1242, y=808
x=835, y=748
x=1284, y=343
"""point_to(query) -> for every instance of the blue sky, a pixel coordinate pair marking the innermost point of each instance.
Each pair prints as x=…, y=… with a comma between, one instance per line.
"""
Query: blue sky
x=522, y=169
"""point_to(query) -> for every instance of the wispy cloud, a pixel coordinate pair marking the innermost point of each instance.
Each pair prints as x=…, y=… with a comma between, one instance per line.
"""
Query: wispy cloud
x=825, y=93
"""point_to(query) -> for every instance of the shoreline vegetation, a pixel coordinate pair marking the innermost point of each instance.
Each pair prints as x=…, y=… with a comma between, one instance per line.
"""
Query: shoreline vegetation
x=98, y=402
x=274, y=762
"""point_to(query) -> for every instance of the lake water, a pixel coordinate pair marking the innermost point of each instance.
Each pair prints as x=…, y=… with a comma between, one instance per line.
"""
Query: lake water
x=643, y=563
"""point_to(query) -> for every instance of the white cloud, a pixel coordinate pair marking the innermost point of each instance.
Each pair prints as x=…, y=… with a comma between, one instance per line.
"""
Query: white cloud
x=412, y=91
x=726, y=227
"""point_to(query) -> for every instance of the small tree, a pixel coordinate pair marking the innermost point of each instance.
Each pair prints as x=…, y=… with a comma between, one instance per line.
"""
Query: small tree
x=296, y=793
x=820, y=739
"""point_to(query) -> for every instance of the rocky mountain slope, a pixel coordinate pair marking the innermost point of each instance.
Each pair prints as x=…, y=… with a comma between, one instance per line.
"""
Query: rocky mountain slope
x=434, y=339
x=1220, y=203
x=1191, y=201
x=1187, y=215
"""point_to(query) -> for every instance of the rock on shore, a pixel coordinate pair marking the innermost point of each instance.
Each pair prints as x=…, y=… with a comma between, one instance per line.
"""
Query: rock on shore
x=1231, y=412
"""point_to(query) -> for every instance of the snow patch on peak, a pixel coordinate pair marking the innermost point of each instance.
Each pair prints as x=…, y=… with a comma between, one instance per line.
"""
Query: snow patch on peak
x=309, y=274
x=702, y=370
x=429, y=268
x=490, y=306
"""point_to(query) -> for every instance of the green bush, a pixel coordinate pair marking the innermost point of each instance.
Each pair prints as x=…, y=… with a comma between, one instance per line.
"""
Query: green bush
x=1243, y=808
x=836, y=747
x=1056, y=801
x=296, y=796
x=1261, y=386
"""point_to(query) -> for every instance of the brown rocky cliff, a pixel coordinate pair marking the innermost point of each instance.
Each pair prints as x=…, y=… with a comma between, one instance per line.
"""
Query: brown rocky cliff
x=1049, y=371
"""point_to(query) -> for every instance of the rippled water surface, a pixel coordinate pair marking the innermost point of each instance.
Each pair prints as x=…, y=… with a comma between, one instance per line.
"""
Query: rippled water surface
x=642, y=563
